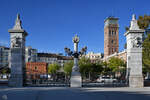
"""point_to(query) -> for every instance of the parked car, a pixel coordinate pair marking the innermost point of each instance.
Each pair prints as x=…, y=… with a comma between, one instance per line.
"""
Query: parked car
x=105, y=79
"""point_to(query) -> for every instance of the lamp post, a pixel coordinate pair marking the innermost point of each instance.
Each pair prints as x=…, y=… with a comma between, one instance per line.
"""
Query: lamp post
x=75, y=75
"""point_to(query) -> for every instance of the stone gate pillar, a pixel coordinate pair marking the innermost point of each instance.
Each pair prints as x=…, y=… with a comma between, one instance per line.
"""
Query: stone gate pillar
x=134, y=53
x=17, y=54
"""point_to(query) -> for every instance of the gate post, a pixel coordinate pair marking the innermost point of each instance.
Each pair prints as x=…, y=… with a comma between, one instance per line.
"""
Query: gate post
x=134, y=53
x=17, y=54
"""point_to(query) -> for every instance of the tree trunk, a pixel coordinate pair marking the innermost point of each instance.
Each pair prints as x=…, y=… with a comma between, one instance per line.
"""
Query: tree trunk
x=89, y=75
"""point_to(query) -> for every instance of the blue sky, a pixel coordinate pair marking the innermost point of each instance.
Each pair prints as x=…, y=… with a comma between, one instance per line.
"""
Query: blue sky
x=51, y=24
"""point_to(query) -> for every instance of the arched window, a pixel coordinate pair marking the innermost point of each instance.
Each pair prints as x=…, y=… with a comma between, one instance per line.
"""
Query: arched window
x=36, y=68
x=112, y=41
x=109, y=32
x=115, y=32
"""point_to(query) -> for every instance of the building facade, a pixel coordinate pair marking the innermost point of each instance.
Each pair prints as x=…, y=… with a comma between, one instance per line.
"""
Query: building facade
x=94, y=57
x=122, y=55
x=111, y=36
x=30, y=54
x=35, y=70
x=4, y=56
x=53, y=58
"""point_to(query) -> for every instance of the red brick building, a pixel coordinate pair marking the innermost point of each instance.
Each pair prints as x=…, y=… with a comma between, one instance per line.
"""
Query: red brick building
x=35, y=70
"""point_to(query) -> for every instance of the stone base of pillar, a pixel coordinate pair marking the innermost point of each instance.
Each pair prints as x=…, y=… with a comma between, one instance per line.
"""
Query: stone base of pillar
x=15, y=81
x=136, y=81
x=76, y=80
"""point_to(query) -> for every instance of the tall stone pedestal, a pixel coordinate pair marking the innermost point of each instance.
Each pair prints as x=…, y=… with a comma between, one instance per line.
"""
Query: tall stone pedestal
x=17, y=54
x=16, y=63
x=134, y=54
x=76, y=80
x=136, y=81
x=135, y=65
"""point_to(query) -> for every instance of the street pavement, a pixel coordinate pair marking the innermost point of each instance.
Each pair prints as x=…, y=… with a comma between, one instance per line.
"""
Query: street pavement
x=60, y=93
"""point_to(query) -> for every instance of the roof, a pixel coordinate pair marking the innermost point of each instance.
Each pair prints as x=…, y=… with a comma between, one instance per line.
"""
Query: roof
x=47, y=55
x=51, y=55
x=111, y=18
x=4, y=47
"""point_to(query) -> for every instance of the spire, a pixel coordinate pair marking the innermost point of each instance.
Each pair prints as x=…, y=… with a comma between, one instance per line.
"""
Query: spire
x=133, y=17
x=18, y=16
x=18, y=24
x=134, y=25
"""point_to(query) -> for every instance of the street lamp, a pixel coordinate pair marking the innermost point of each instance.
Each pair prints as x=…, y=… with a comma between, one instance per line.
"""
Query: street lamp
x=75, y=75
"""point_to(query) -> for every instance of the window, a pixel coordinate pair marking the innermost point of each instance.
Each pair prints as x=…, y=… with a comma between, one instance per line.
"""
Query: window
x=36, y=68
x=115, y=32
x=109, y=32
x=116, y=49
x=112, y=41
x=112, y=32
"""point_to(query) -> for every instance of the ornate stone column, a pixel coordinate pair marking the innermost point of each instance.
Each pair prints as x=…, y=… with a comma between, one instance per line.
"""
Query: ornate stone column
x=134, y=53
x=76, y=80
x=17, y=54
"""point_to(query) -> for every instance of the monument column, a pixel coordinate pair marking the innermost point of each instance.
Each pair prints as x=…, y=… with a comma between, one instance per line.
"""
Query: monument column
x=17, y=54
x=134, y=53
x=76, y=80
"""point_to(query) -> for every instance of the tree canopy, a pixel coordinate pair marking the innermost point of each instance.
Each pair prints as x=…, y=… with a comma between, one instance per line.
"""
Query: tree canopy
x=53, y=68
x=144, y=21
x=116, y=64
x=146, y=54
x=88, y=69
x=68, y=67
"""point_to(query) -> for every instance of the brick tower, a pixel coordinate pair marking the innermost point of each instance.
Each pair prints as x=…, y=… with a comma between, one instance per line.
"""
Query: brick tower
x=111, y=34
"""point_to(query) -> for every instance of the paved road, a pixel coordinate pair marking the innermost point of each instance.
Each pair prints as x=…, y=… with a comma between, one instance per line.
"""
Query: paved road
x=49, y=93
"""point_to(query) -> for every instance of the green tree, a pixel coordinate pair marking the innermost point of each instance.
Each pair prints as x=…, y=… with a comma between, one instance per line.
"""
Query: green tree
x=144, y=21
x=5, y=70
x=106, y=70
x=52, y=69
x=116, y=64
x=85, y=67
x=68, y=68
x=90, y=70
x=96, y=70
x=146, y=54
